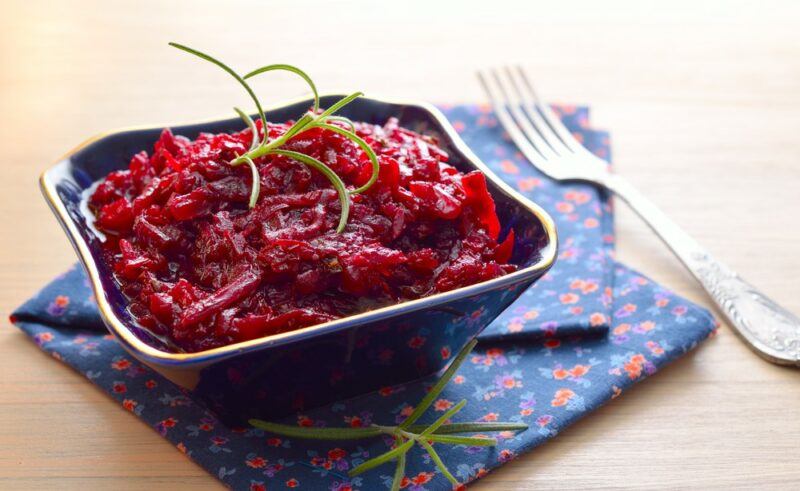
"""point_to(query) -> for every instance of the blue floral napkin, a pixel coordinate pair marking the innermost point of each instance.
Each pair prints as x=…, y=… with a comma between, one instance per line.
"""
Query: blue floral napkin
x=584, y=334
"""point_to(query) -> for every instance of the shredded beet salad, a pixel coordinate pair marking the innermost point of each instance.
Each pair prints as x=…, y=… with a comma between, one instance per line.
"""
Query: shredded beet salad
x=203, y=270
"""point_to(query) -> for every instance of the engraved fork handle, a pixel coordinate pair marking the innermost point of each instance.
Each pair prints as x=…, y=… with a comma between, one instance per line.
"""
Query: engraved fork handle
x=771, y=331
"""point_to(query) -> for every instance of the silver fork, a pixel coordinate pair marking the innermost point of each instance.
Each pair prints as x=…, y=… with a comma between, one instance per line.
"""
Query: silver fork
x=769, y=329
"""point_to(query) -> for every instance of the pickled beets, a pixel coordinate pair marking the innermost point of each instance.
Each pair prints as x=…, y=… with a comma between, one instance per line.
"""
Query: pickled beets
x=203, y=270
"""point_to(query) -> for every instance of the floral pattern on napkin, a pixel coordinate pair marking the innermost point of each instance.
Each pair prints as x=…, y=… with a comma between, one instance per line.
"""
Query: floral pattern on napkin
x=563, y=349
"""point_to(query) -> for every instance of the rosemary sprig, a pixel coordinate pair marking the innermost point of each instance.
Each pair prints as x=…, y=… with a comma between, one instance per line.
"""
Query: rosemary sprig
x=438, y=387
x=399, y=472
x=327, y=172
x=343, y=120
x=289, y=68
x=231, y=72
x=261, y=147
x=407, y=434
x=364, y=146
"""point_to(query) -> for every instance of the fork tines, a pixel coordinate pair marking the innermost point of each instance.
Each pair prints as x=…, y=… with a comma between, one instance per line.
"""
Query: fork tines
x=532, y=125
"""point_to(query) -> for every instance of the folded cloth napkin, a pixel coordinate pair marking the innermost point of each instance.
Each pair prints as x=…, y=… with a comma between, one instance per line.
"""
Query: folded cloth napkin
x=564, y=348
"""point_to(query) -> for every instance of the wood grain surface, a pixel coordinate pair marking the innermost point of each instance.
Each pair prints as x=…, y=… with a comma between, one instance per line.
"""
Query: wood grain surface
x=703, y=99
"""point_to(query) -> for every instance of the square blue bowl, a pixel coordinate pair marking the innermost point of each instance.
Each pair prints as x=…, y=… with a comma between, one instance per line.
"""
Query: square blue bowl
x=283, y=373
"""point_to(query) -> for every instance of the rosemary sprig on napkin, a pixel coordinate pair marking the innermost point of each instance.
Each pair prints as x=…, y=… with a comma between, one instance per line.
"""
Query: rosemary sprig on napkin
x=406, y=434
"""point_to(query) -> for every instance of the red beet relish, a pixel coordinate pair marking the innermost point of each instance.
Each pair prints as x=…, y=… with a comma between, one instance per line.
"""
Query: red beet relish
x=203, y=270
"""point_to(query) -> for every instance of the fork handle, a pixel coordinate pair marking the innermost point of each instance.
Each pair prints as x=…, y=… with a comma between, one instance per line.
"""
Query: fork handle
x=772, y=331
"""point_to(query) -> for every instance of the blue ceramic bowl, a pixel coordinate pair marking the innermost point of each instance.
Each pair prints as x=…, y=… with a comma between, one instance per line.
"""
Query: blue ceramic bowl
x=278, y=374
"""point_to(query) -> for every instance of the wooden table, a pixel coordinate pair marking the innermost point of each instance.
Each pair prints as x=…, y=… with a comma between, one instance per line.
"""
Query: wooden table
x=704, y=104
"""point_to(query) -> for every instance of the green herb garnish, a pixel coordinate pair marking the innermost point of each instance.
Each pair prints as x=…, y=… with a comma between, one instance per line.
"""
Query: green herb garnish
x=261, y=147
x=407, y=433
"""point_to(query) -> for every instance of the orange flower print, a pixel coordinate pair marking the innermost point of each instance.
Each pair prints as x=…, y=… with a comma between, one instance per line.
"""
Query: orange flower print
x=634, y=366
x=508, y=167
x=578, y=197
x=44, y=337
x=119, y=387
x=304, y=421
x=515, y=326
x=565, y=109
x=506, y=455
x=621, y=329
x=422, y=478
x=634, y=370
x=526, y=411
x=459, y=126
x=647, y=326
x=151, y=384
x=58, y=306
x=486, y=121
x=560, y=374
x=531, y=315
x=256, y=462
x=561, y=397
x=680, y=310
x=416, y=342
x=655, y=348
x=577, y=310
x=481, y=360
x=629, y=307
x=662, y=302
x=354, y=421
x=509, y=382
x=591, y=222
x=494, y=352
x=292, y=483
x=579, y=370
x=458, y=379
x=274, y=442
x=567, y=254
x=442, y=405
x=597, y=319
x=585, y=286
x=490, y=417
x=336, y=454
x=528, y=183
x=569, y=298
x=120, y=364
x=129, y=404
x=565, y=207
